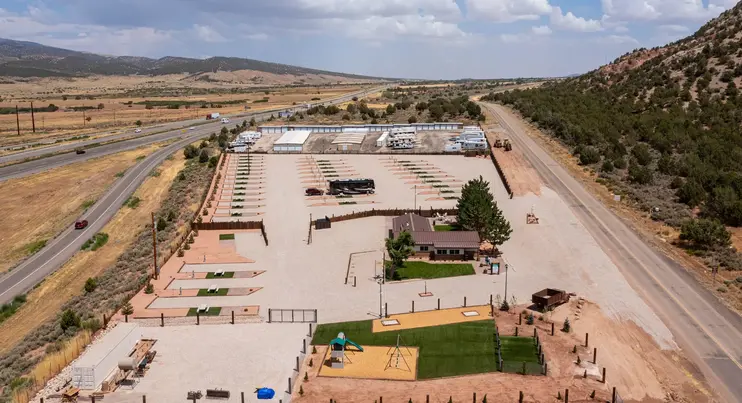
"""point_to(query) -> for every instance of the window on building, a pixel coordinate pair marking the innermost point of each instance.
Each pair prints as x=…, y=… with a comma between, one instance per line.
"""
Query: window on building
x=454, y=252
x=442, y=252
x=423, y=249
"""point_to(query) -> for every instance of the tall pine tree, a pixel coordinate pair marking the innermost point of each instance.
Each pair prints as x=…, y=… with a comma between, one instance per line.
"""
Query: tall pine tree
x=478, y=211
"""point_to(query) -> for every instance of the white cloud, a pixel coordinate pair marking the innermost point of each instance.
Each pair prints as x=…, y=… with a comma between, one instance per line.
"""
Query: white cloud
x=617, y=39
x=208, y=34
x=507, y=10
x=541, y=30
x=412, y=26
x=673, y=28
x=665, y=10
x=570, y=22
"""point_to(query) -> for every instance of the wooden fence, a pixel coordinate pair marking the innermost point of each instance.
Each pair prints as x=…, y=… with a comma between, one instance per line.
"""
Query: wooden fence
x=392, y=213
x=216, y=226
x=502, y=175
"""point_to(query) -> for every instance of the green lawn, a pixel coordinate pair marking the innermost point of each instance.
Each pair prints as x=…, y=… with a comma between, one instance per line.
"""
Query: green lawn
x=431, y=270
x=444, y=228
x=227, y=274
x=213, y=311
x=226, y=237
x=450, y=350
x=518, y=349
x=205, y=292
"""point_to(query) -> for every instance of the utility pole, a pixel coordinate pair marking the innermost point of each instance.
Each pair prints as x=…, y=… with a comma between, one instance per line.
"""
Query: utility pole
x=17, y=121
x=154, y=245
x=33, y=119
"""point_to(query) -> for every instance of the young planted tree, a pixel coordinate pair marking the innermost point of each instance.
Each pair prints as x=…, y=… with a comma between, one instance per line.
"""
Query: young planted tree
x=478, y=211
x=399, y=249
x=127, y=309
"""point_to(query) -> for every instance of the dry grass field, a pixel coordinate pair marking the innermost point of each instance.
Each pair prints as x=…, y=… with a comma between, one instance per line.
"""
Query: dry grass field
x=117, y=114
x=46, y=300
x=39, y=206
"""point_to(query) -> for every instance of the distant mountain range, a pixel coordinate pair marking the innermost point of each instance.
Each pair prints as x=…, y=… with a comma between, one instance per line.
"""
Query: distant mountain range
x=30, y=59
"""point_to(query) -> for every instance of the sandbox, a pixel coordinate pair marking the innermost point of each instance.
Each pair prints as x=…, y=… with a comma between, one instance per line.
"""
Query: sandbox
x=432, y=318
x=375, y=362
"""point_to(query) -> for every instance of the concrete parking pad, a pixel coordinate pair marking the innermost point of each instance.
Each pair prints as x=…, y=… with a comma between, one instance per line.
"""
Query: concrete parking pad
x=208, y=282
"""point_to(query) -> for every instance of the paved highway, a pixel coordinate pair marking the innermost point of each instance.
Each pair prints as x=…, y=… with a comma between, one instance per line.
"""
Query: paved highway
x=57, y=251
x=702, y=326
x=132, y=140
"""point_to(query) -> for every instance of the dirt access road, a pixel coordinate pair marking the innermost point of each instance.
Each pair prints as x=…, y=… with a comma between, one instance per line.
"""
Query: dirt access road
x=708, y=331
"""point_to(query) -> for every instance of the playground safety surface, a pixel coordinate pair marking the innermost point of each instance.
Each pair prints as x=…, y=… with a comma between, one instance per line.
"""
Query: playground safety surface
x=433, y=318
x=374, y=362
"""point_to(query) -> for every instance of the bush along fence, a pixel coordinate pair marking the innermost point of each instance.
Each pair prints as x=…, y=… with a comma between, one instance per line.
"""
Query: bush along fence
x=501, y=173
x=428, y=213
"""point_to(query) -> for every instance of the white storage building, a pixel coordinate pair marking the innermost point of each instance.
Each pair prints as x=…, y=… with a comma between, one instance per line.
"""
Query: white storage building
x=349, y=141
x=102, y=358
x=291, y=141
x=381, y=141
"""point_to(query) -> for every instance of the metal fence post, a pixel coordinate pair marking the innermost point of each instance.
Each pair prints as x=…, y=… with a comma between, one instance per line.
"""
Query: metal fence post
x=566, y=395
x=552, y=328
x=474, y=398
x=595, y=355
x=198, y=318
x=289, y=385
x=520, y=397
x=613, y=396
x=242, y=397
x=162, y=319
x=304, y=346
x=269, y=315
x=465, y=302
x=603, y=380
x=439, y=304
x=586, y=339
x=233, y=317
x=144, y=399
x=413, y=306
x=297, y=364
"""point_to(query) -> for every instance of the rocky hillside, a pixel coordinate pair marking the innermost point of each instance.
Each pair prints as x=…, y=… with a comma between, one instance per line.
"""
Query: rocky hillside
x=661, y=126
x=28, y=59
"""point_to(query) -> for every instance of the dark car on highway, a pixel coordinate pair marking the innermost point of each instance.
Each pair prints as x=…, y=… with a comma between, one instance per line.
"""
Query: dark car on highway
x=81, y=224
x=314, y=192
x=80, y=151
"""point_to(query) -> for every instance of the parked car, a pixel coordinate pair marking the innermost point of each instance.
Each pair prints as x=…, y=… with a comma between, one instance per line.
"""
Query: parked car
x=79, y=151
x=314, y=192
x=81, y=224
x=138, y=131
x=191, y=128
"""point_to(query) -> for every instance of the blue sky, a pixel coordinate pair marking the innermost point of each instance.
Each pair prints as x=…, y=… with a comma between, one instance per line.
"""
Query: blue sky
x=434, y=39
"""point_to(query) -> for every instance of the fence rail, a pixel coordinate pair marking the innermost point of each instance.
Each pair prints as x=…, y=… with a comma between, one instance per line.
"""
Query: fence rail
x=391, y=213
x=292, y=315
x=501, y=173
x=215, y=226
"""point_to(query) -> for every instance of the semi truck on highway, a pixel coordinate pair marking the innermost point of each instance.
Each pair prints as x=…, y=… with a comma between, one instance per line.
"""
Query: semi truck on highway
x=213, y=116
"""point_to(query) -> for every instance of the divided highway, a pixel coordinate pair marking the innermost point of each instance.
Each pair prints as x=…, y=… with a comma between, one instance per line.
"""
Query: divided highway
x=60, y=249
x=702, y=326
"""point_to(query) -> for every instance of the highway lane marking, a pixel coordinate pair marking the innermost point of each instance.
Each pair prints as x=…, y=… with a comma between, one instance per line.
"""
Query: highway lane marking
x=606, y=228
x=145, y=170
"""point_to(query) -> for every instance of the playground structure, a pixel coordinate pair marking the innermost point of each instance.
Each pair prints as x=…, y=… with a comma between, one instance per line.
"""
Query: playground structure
x=337, y=349
x=397, y=362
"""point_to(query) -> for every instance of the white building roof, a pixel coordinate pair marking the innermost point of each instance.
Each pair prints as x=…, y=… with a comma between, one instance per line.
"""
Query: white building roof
x=105, y=345
x=294, y=137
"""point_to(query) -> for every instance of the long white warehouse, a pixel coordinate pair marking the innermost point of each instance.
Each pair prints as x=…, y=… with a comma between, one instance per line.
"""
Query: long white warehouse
x=291, y=141
x=102, y=358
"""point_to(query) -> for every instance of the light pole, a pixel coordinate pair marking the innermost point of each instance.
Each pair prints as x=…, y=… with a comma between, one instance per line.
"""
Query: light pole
x=379, y=280
x=506, y=282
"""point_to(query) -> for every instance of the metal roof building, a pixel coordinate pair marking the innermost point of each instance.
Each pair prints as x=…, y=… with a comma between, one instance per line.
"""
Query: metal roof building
x=292, y=141
x=447, y=126
x=101, y=359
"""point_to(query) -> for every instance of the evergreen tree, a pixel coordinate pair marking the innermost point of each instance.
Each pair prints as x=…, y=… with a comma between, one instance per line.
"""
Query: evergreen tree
x=478, y=211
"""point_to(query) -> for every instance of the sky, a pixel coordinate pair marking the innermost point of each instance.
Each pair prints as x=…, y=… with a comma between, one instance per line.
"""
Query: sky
x=428, y=39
